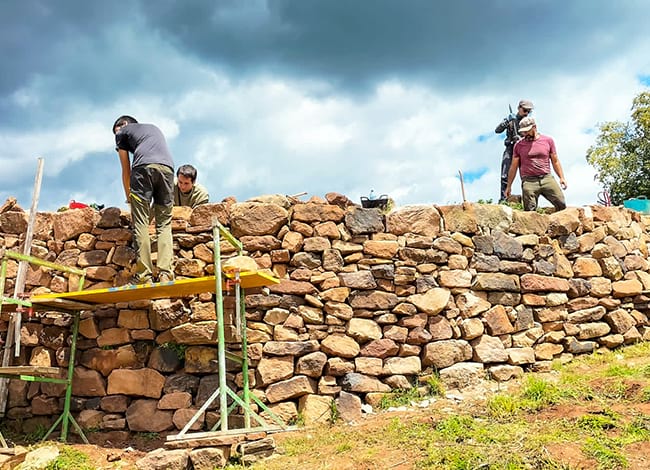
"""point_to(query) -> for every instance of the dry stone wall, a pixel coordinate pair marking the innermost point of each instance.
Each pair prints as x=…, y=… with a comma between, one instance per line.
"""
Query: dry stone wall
x=367, y=303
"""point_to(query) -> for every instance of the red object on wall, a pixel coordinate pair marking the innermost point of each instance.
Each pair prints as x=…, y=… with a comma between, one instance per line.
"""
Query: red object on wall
x=77, y=205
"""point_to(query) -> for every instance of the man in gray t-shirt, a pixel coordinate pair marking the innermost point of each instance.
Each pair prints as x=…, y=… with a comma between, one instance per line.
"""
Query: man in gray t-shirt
x=148, y=179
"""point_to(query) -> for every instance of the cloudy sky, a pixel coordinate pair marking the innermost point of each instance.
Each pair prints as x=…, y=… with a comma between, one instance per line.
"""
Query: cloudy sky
x=291, y=96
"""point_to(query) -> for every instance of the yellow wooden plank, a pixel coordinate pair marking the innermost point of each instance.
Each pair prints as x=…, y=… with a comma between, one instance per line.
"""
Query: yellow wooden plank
x=157, y=290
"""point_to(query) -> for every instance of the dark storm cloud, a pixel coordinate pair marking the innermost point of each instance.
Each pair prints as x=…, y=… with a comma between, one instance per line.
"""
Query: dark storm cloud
x=87, y=53
x=33, y=31
x=357, y=43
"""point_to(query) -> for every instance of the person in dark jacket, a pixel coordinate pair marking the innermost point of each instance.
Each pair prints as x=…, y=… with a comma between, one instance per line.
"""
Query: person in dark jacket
x=510, y=124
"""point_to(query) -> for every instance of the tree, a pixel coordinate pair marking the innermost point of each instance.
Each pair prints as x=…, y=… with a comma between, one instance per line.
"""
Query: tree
x=621, y=154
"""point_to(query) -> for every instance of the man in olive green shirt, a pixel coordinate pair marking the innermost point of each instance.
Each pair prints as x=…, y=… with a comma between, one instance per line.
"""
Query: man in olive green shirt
x=187, y=192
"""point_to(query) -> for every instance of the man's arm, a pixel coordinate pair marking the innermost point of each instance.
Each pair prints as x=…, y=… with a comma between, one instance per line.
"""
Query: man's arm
x=126, y=172
x=557, y=166
x=503, y=125
x=512, y=172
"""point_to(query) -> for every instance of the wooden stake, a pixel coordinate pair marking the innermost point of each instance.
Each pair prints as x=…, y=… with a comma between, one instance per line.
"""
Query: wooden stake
x=462, y=185
x=13, y=329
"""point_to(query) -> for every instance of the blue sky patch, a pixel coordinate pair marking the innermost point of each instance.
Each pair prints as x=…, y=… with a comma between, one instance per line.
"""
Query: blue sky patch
x=473, y=175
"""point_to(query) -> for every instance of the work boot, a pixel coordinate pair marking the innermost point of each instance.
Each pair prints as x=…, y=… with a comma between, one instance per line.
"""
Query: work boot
x=165, y=277
x=138, y=279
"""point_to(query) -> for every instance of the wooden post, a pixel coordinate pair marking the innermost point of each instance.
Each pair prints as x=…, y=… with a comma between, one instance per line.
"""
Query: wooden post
x=462, y=185
x=13, y=329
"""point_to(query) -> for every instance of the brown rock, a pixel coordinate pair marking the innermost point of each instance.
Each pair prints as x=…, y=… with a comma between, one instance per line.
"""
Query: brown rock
x=183, y=416
x=287, y=286
x=441, y=354
x=498, y=322
x=537, y=283
x=312, y=364
x=340, y=345
x=144, y=416
x=360, y=383
x=133, y=319
x=471, y=305
x=114, y=403
x=204, y=332
x=432, y=302
x=381, y=348
x=349, y=407
x=315, y=408
x=69, y=224
x=209, y=458
x=165, y=314
x=292, y=388
x=106, y=360
x=139, y=382
x=420, y=220
x=358, y=280
x=87, y=328
x=88, y=383
x=497, y=282
x=373, y=300
x=363, y=330
x=274, y=369
x=627, y=288
x=175, y=401
x=200, y=359
x=312, y=212
x=489, y=349
x=290, y=348
x=254, y=218
x=14, y=222
x=101, y=273
x=336, y=294
x=586, y=267
x=113, y=337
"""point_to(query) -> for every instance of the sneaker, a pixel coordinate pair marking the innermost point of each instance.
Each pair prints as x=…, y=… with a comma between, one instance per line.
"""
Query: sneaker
x=165, y=277
x=137, y=279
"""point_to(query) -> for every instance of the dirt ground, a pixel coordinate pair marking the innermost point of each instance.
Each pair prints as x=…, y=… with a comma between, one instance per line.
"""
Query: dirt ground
x=106, y=455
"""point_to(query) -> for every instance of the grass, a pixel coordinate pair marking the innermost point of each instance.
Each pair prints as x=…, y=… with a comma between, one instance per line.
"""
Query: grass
x=593, y=409
x=70, y=459
x=400, y=397
x=586, y=406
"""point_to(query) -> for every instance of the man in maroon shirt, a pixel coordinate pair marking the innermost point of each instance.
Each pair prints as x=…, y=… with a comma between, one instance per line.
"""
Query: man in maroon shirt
x=533, y=156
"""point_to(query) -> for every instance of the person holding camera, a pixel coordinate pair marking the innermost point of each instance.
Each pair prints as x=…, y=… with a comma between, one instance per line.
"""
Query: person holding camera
x=511, y=124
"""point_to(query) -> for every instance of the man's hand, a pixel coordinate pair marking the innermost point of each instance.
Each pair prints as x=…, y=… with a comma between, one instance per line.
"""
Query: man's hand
x=563, y=183
x=507, y=191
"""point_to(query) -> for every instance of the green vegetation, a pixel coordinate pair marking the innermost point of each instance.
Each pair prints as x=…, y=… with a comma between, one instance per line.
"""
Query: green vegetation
x=399, y=397
x=621, y=154
x=334, y=412
x=148, y=436
x=299, y=420
x=34, y=436
x=435, y=386
x=179, y=349
x=588, y=409
x=70, y=459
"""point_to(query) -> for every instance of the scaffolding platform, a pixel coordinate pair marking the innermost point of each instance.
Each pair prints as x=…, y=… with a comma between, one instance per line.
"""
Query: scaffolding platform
x=74, y=303
x=85, y=299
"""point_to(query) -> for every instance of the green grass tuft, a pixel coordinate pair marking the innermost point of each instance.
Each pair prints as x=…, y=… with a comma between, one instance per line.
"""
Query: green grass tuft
x=70, y=459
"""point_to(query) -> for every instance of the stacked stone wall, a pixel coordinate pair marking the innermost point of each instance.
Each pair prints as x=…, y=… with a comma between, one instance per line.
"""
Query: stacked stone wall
x=367, y=303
